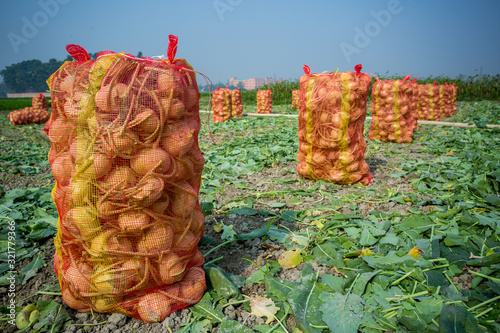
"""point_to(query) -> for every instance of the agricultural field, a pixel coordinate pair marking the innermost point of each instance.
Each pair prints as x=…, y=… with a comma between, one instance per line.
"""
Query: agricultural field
x=417, y=249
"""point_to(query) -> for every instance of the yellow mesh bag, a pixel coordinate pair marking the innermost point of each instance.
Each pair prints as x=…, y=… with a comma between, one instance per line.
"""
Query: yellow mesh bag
x=236, y=103
x=264, y=101
x=331, y=123
x=221, y=105
x=392, y=119
x=125, y=156
x=296, y=99
x=428, y=102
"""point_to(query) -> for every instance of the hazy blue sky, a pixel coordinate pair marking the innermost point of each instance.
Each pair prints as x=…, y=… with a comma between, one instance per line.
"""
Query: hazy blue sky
x=266, y=38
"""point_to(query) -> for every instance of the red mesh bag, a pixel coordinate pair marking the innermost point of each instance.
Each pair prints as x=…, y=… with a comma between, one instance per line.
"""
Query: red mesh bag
x=28, y=115
x=391, y=104
x=221, y=105
x=264, y=101
x=236, y=103
x=428, y=102
x=39, y=102
x=125, y=156
x=296, y=99
x=331, y=124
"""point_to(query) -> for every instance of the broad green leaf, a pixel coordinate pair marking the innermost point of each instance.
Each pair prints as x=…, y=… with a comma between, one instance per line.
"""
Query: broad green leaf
x=416, y=222
x=361, y=282
x=390, y=238
x=222, y=285
x=326, y=254
x=342, y=313
x=31, y=269
x=270, y=268
x=232, y=326
x=244, y=211
x=206, y=309
x=304, y=300
x=367, y=238
x=202, y=326
x=334, y=282
x=457, y=319
x=276, y=204
x=53, y=317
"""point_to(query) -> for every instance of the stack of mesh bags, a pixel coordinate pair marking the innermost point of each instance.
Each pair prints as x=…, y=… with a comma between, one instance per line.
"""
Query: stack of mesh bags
x=39, y=102
x=37, y=113
x=445, y=99
x=428, y=102
x=453, y=98
x=331, y=123
x=392, y=118
x=125, y=156
x=264, y=101
x=221, y=105
x=236, y=103
x=296, y=99
x=414, y=103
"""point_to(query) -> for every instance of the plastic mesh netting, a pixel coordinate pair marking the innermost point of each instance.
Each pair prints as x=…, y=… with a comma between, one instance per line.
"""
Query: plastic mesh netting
x=331, y=123
x=221, y=105
x=125, y=155
x=391, y=107
x=39, y=102
x=296, y=99
x=37, y=113
x=236, y=103
x=428, y=102
x=264, y=101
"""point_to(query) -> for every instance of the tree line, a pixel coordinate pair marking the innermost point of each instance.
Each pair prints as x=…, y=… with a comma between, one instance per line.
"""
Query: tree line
x=31, y=75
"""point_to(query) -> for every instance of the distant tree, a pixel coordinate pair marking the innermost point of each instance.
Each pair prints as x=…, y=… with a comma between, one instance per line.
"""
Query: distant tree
x=139, y=54
x=29, y=75
x=3, y=89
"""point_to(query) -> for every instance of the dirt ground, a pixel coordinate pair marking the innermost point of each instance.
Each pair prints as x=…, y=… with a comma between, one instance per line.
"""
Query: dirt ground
x=237, y=256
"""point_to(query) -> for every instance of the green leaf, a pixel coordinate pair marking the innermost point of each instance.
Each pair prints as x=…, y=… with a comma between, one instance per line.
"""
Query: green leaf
x=207, y=207
x=30, y=270
x=362, y=281
x=390, y=238
x=205, y=308
x=232, y=326
x=222, y=285
x=493, y=200
x=342, y=313
x=202, y=326
x=326, y=254
x=244, y=211
x=276, y=204
x=367, y=238
x=53, y=317
x=303, y=299
x=270, y=268
x=457, y=319
x=289, y=215
x=416, y=222
x=227, y=232
x=334, y=282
